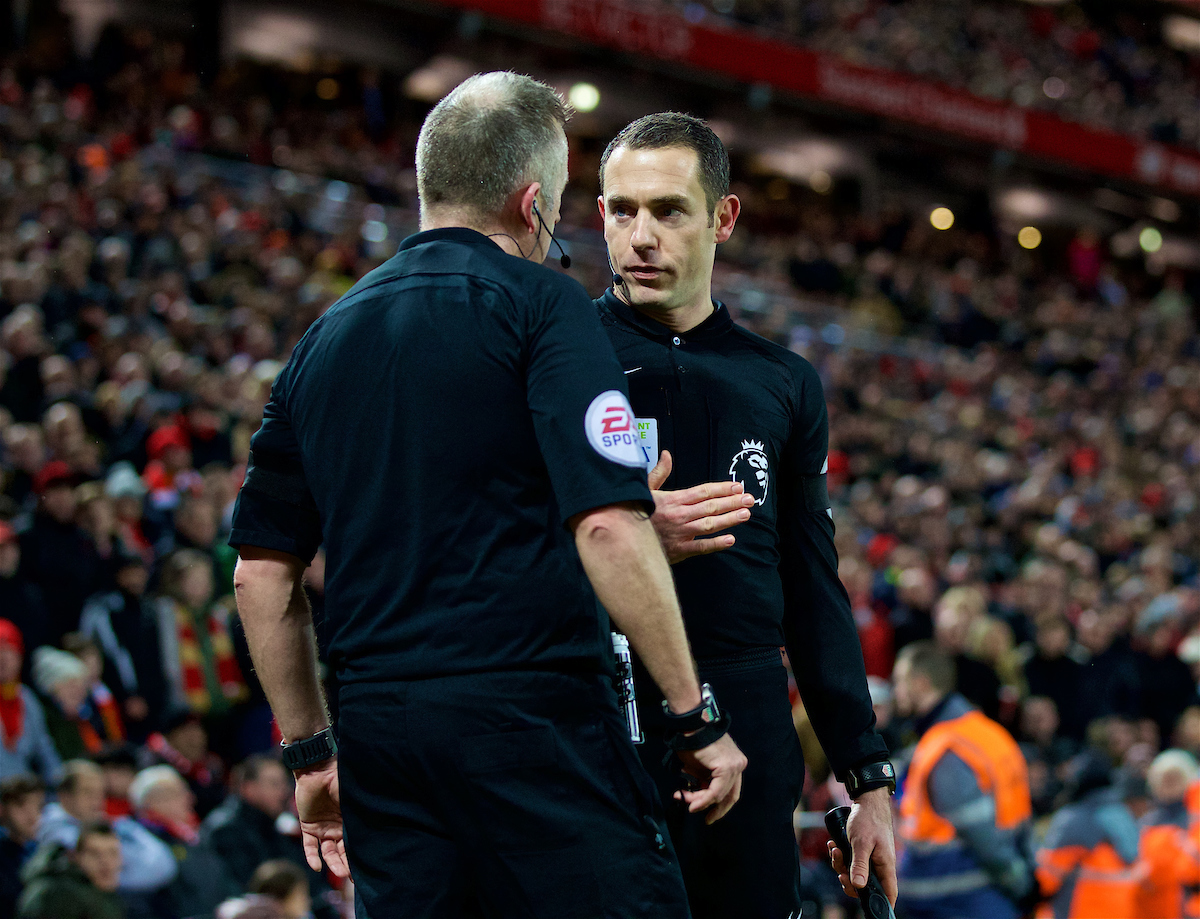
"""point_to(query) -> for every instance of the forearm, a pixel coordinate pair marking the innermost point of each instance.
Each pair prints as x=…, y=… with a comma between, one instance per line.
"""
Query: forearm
x=625, y=563
x=279, y=633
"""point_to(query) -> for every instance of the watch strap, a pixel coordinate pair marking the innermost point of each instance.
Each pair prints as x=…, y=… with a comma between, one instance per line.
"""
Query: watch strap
x=870, y=776
x=710, y=733
x=707, y=712
x=320, y=747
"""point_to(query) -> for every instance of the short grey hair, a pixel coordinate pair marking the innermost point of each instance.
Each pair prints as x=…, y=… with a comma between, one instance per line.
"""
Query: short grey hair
x=148, y=781
x=487, y=138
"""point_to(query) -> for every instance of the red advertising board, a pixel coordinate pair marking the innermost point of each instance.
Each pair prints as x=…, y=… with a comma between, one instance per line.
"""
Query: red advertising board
x=754, y=58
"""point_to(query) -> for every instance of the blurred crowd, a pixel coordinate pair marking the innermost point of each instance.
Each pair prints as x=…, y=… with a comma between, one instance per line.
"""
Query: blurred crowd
x=1015, y=462
x=1117, y=74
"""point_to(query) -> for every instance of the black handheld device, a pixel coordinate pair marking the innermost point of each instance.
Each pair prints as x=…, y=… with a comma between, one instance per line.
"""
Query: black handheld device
x=872, y=899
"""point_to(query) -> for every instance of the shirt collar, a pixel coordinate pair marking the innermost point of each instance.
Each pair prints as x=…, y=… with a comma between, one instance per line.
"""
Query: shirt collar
x=450, y=234
x=717, y=323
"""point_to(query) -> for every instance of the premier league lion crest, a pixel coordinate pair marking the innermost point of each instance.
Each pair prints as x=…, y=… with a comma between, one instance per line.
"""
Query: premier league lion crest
x=750, y=467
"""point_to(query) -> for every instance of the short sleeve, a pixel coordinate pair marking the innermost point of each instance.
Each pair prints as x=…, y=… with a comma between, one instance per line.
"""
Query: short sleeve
x=580, y=404
x=275, y=509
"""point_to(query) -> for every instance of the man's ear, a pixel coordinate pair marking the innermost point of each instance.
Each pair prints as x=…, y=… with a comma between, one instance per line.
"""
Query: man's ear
x=600, y=205
x=726, y=216
x=526, y=198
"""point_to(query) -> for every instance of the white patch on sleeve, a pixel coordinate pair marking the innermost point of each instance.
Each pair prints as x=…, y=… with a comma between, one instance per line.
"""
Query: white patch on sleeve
x=612, y=430
x=825, y=467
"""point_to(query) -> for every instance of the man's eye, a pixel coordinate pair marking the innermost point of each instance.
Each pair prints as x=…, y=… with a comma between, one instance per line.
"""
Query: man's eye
x=621, y=211
x=671, y=212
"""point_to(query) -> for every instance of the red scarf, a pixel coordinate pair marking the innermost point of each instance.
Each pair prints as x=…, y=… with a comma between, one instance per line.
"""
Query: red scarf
x=197, y=772
x=12, y=714
x=179, y=830
x=109, y=712
x=223, y=662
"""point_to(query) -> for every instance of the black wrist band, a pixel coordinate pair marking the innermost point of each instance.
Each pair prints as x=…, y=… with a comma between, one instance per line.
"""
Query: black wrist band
x=710, y=733
x=869, y=777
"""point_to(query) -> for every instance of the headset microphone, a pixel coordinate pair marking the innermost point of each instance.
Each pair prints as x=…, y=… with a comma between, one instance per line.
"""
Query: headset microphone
x=617, y=279
x=563, y=259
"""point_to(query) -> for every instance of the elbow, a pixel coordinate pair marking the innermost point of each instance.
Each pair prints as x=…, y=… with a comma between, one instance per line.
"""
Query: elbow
x=607, y=526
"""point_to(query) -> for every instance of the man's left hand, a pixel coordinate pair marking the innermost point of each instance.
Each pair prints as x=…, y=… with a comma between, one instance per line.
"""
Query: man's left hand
x=869, y=830
x=318, y=805
x=684, y=520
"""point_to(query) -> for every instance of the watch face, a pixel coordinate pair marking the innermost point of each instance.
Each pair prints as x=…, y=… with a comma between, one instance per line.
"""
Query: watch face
x=888, y=771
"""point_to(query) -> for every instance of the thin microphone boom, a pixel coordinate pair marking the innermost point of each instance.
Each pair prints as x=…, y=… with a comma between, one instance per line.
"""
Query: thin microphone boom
x=563, y=259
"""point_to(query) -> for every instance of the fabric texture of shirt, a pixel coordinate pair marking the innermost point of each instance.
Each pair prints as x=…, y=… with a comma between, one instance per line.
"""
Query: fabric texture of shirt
x=729, y=404
x=435, y=429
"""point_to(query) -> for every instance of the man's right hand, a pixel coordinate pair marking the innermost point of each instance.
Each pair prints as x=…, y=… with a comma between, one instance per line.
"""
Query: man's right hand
x=681, y=517
x=718, y=768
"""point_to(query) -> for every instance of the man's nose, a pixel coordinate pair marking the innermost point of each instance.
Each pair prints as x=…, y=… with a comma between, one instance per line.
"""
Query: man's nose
x=643, y=236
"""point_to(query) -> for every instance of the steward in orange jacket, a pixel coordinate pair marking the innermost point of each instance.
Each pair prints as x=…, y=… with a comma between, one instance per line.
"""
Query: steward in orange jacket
x=1170, y=839
x=964, y=806
x=1088, y=863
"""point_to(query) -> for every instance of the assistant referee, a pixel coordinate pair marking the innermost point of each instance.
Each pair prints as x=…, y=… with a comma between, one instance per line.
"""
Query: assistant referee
x=454, y=436
x=728, y=405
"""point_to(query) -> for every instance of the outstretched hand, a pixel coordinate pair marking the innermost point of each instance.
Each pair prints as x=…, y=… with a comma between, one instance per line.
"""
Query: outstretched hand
x=318, y=805
x=869, y=830
x=683, y=519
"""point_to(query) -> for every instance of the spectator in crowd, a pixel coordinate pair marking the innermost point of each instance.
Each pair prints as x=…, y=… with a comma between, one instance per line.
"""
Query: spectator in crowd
x=956, y=613
x=244, y=831
x=183, y=745
x=285, y=883
x=1167, y=687
x=1109, y=681
x=118, y=764
x=1169, y=848
x=965, y=810
x=20, y=598
x=21, y=799
x=128, y=494
x=1052, y=669
x=1087, y=857
x=27, y=745
x=62, y=680
x=1046, y=751
x=56, y=553
x=78, y=881
x=123, y=624
x=169, y=474
x=147, y=863
x=198, y=655
x=104, y=712
x=164, y=805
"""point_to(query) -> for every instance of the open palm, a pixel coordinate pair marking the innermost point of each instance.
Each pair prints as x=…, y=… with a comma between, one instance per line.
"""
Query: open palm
x=319, y=808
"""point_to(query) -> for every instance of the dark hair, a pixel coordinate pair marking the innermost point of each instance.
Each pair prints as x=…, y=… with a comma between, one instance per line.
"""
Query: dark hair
x=927, y=658
x=249, y=769
x=79, y=644
x=16, y=788
x=277, y=879
x=674, y=129
x=487, y=137
x=93, y=828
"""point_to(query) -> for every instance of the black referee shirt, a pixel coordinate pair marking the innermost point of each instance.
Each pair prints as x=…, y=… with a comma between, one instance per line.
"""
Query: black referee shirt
x=729, y=404
x=434, y=429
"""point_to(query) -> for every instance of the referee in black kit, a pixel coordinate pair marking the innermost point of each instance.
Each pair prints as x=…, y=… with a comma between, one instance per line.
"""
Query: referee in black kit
x=725, y=404
x=452, y=434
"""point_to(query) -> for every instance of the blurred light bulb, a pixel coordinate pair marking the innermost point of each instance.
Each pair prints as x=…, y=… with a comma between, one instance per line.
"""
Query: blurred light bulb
x=1054, y=87
x=1029, y=237
x=328, y=89
x=1150, y=239
x=942, y=218
x=820, y=182
x=584, y=97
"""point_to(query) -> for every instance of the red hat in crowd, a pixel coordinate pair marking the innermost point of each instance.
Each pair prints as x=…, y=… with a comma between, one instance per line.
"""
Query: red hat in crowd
x=10, y=635
x=55, y=472
x=170, y=436
x=7, y=533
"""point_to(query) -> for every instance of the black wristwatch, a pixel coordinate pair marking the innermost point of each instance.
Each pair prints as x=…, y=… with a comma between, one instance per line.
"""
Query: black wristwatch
x=310, y=751
x=870, y=777
x=698, y=728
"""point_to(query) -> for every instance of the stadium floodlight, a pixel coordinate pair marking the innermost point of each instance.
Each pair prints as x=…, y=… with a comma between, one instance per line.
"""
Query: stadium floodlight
x=1150, y=239
x=820, y=182
x=584, y=97
x=1029, y=237
x=942, y=218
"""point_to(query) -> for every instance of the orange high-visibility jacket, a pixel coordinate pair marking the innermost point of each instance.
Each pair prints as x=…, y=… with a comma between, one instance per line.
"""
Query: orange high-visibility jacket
x=993, y=756
x=1171, y=855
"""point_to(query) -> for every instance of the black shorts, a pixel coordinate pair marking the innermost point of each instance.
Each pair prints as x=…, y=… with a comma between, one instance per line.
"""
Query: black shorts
x=504, y=794
x=747, y=864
